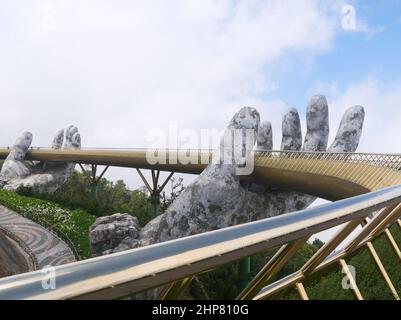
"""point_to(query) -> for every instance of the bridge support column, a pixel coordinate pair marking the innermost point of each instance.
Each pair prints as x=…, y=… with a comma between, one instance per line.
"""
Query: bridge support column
x=94, y=191
x=244, y=272
x=154, y=190
x=155, y=204
x=274, y=265
x=93, y=180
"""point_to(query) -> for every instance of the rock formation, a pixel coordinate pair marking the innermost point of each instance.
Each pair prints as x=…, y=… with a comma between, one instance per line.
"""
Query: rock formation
x=114, y=233
x=217, y=198
x=42, y=176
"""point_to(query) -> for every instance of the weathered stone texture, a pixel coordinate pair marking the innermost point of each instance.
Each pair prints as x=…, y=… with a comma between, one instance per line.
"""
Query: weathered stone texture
x=217, y=198
x=43, y=177
x=113, y=233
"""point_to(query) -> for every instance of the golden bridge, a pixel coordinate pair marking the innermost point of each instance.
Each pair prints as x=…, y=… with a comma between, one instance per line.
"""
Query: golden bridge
x=359, y=184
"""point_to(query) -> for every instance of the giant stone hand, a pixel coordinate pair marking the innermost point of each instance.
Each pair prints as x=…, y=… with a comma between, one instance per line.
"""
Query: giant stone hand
x=218, y=199
x=42, y=176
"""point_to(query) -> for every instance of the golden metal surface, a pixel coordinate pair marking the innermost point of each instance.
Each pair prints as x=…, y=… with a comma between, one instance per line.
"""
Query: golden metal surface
x=331, y=176
x=378, y=222
x=175, y=290
x=386, y=222
x=351, y=279
x=147, y=185
x=279, y=286
x=291, y=279
x=329, y=246
x=301, y=291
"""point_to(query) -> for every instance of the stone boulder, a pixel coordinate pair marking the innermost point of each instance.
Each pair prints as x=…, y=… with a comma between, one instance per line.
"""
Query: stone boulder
x=113, y=233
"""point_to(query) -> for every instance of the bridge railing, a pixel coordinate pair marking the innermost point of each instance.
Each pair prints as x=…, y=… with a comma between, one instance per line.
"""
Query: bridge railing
x=360, y=157
x=392, y=161
x=126, y=273
x=371, y=171
x=297, y=159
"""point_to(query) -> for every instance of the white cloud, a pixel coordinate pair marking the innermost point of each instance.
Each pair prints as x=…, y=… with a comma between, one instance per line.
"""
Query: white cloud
x=352, y=21
x=117, y=69
x=383, y=115
x=329, y=89
x=369, y=31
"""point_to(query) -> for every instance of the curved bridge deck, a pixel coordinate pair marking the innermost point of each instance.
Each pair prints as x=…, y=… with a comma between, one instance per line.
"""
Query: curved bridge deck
x=331, y=176
x=47, y=248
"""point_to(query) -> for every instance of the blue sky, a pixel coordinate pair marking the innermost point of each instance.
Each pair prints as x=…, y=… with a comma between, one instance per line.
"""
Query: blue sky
x=352, y=56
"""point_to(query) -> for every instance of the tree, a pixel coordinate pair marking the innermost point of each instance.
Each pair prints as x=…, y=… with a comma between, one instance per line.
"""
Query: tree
x=177, y=187
x=318, y=243
x=112, y=197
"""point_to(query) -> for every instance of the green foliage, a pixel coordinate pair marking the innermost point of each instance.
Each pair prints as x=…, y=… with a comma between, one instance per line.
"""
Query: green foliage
x=328, y=286
x=71, y=210
x=222, y=282
x=72, y=223
x=111, y=197
x=318, y=243
x=177, y=187
x=372, y=286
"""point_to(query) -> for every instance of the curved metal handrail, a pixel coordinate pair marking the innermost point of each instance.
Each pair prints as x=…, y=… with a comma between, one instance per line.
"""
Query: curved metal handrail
x=136, y=270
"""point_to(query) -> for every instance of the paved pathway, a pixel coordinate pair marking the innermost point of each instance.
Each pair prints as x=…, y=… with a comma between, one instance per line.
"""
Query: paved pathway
x=45, y=246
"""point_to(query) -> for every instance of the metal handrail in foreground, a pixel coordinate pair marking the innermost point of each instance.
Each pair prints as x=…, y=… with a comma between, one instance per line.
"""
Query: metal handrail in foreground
x=121, y=274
